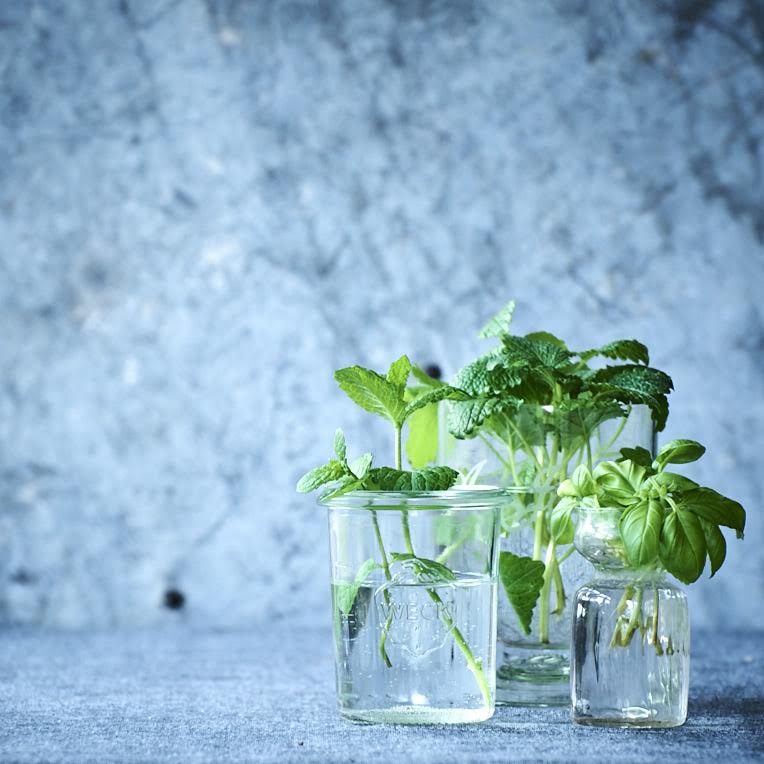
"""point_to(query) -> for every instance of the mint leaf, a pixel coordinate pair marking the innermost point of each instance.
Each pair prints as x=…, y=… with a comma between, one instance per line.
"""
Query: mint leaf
x=546, y=337
x=635, y=384
x=712, y=506
x=428, y=479
x=683, y=546
x=638, y=455
x=500, y=323
x=679, y=452
x=621, y=350
x=360, y=466
x=398, y=374
x=522, y=578
x=340, y=446
x=427, y=571
x=640, y=526
x=371, y=391
x=535, y=353
x=716, y=546
x=487, y=375
x=466, y=417
x=318, y=476
x=344, y=485
x=345, y=594
x=435, y=395
x=422, y=441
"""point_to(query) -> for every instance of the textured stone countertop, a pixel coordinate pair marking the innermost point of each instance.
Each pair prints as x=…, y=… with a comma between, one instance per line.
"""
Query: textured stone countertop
x=178, y=695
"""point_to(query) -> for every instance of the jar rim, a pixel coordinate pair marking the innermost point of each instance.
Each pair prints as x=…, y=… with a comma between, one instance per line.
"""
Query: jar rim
x=457, y=498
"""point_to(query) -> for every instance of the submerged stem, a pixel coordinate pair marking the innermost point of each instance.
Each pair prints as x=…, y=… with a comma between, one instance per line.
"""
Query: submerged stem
x=385, y=593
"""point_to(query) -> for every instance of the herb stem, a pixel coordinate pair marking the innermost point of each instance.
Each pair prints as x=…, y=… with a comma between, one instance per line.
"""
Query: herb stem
x=385, y=593
x=398, y=460
x=545, y=591
x=475, y=666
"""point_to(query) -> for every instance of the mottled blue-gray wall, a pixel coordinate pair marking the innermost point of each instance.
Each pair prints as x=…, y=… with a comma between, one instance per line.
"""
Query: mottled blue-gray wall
x=206, y=207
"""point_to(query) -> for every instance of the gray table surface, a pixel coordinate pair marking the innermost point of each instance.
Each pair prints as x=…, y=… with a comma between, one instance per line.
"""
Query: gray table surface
x=268, y=695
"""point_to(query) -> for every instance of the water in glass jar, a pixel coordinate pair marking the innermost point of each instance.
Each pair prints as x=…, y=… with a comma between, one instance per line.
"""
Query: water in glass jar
x=439, y=645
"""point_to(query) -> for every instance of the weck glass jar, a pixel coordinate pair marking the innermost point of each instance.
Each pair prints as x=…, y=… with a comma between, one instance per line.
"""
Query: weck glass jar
x=414, y=579
x=630, y=654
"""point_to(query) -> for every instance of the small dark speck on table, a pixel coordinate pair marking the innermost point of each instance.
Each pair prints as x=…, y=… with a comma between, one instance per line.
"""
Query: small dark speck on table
x=179, y=695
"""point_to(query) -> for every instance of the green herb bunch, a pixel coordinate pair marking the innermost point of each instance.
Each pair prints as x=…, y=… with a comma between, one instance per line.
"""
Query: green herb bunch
x=667, y=521
x=390, y=397
x=536, y=404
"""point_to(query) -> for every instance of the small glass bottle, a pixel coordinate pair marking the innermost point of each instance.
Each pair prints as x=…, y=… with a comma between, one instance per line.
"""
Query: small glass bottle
x=630, y=657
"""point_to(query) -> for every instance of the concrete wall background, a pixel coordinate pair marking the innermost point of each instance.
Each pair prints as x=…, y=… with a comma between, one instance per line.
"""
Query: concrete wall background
x=206, y=208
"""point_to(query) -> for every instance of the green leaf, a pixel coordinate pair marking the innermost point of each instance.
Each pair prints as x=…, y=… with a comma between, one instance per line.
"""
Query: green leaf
x=422, y=441
x=344, y=485
x=422, y=376
x=487, y=375
x=712, y=506
x=427, y=571
x=640, y=526
x=340, y=446
x=372, y=392
x=635, y=384
x=679, y=452
x=667, y=482
x=318, y=476
x=428, y=479
x=398, y=374
x=546, y=337
x=524, y=351
x=522, y=578
x=620, y=480
x=583, y=482
x=360, y=466
x=345, y=594
x=466, y=417
x=561, y=523
x=638, y=455
x=622, y=350
x=716, y=546
x=683, y=546
x=500, y=323
x=435, y=395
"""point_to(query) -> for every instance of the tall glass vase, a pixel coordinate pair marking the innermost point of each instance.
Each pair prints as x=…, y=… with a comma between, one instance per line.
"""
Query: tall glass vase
x=531, y=452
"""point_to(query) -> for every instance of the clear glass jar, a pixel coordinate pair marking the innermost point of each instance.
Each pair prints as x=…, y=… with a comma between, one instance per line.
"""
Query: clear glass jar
x=630, y=660
x=414, y=579
x=531, y=453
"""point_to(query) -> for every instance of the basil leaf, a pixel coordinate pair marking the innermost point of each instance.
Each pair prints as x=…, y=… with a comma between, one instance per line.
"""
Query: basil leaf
x=583, y=482
x=679, y=452
x=716, y=546
x=712, y=506
x=683, y=546
x=671, y=482
x=522, y=578
x=561, y=523
x=620, y=480
x=640, y=527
